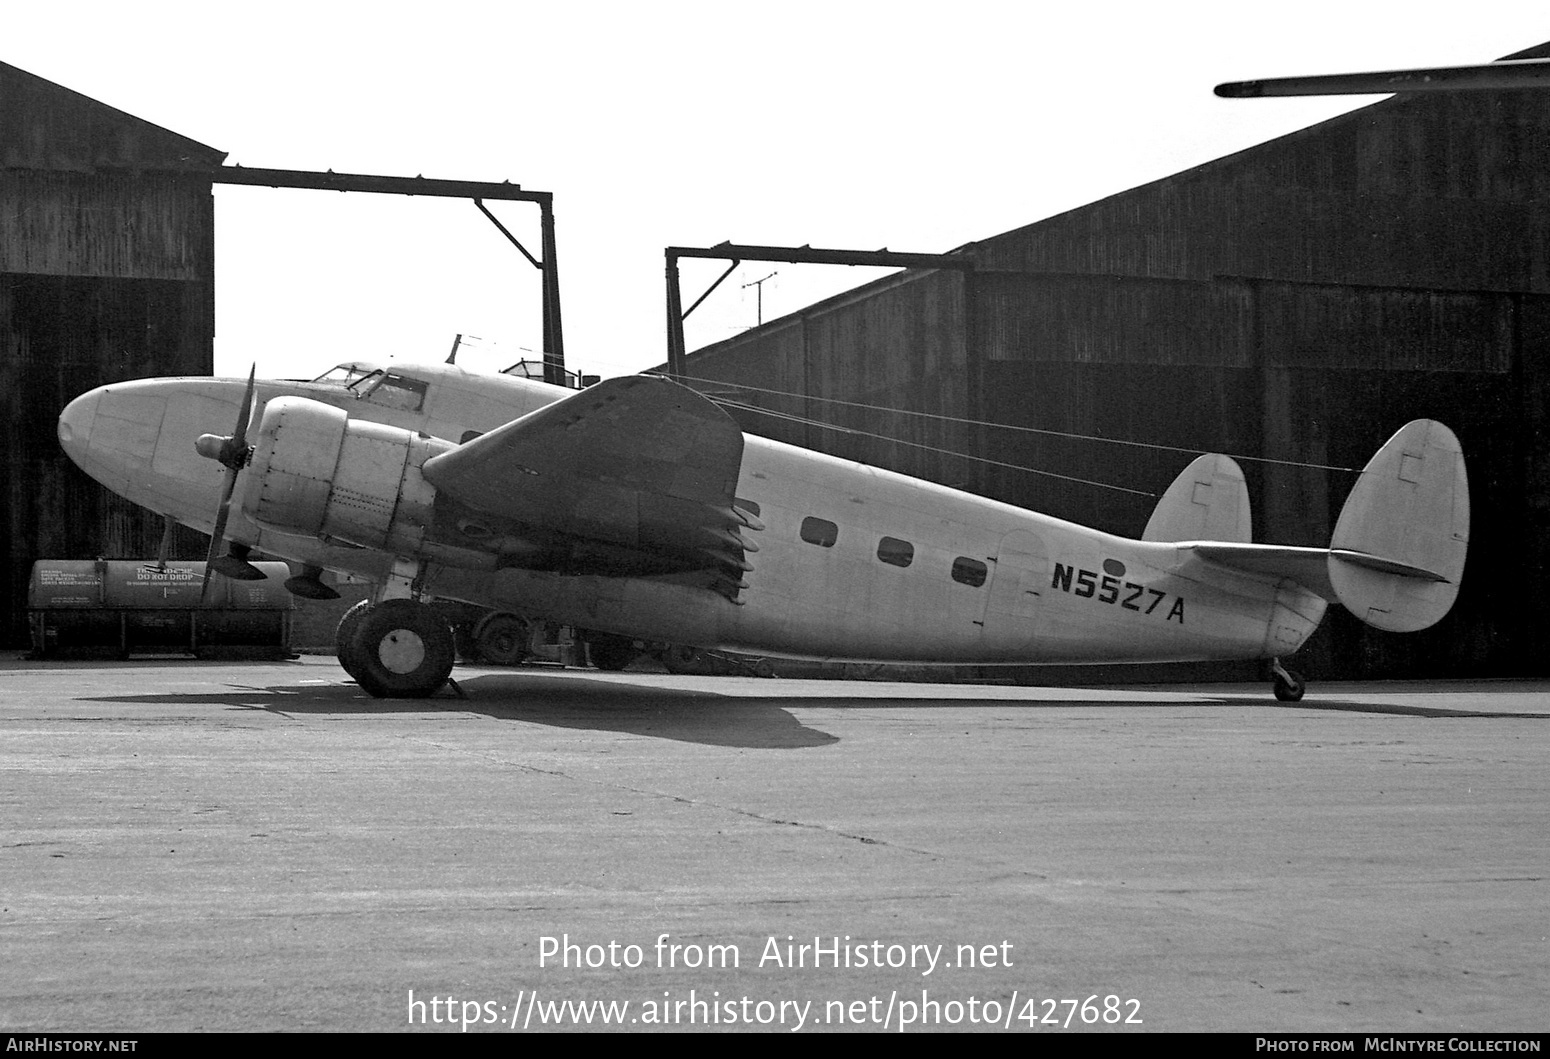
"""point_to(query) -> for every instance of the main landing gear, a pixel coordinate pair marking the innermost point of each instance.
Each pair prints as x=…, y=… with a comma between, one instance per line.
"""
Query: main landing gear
x=396, y=649
x=1289, y=686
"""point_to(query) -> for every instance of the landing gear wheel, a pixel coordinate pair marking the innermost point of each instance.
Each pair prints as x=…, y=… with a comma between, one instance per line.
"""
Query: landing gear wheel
x=502, y=639
x=1289, y=686
x=344, y=639
x=611, y=653
x=404, y=650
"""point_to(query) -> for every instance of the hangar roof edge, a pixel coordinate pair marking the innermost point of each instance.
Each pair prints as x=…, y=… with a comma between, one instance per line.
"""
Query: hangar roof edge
x=44, y=125
x=1238, y=157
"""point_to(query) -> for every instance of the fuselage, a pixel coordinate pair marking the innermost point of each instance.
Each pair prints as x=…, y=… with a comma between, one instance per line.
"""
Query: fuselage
x=852, y=562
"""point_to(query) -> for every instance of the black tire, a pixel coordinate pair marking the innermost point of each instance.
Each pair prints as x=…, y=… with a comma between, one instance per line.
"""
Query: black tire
x=1290, y=691
x=404, y=650
x=611, y=653
x=503, y=640
x=344, y=639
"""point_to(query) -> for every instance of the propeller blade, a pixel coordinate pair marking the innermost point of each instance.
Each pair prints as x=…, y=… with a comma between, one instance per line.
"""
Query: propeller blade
x=231, y=452
x=240, y=435
x=1507, y=75
x=218, y=534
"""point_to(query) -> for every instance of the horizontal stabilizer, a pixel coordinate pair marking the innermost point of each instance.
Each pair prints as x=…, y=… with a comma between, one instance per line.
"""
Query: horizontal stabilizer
x=1384, y=566
x=1309, y=567
x=1208, y=501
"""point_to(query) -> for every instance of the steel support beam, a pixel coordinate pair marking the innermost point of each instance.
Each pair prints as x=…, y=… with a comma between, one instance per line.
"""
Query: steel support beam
x=554, y=336
x=738, y=252
x=675, y=321
x=712, y=288
x=554, y=339
x=384, y=185
x=883, y=258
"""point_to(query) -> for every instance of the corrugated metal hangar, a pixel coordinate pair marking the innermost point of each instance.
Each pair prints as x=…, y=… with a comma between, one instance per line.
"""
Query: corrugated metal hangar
x=107, y=272
x=1298, y=301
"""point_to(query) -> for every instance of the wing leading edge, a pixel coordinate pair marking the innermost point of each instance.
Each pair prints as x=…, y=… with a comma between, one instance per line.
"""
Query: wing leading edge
x=632, y=475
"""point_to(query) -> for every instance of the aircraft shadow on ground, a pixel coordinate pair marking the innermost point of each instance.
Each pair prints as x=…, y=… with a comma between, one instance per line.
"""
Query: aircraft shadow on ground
x=695, y=716
x=1399, y=709
x=584, y=705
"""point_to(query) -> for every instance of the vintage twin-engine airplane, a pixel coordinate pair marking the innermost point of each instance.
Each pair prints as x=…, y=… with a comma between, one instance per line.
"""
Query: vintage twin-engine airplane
x=637, y=510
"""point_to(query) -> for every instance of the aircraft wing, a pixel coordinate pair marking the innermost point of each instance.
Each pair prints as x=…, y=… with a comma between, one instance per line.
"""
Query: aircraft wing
x=639, y=469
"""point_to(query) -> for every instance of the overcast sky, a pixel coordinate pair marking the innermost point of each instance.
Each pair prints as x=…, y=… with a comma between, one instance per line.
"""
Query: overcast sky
x=914, y=126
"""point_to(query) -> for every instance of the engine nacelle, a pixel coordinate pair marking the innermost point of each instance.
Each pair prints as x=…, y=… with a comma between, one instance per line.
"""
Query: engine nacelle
x=319, y=473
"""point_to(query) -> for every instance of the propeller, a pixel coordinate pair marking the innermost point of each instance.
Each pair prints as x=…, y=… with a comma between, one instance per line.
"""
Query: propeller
x=232, y=452
x=1506, y=75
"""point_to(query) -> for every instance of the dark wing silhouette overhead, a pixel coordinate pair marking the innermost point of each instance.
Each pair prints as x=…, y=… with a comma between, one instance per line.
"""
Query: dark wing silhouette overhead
x=1506, y=75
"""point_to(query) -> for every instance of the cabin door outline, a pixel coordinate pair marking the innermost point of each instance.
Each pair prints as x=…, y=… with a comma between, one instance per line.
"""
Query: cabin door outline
x=1020, y=574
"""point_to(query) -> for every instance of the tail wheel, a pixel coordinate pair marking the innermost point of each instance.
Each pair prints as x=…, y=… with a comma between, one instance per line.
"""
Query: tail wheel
x=1289, y=686
x=404, y=650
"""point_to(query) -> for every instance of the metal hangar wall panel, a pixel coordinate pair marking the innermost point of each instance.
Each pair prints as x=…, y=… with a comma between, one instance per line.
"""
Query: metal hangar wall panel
x=1296, y=301
x=106, y=273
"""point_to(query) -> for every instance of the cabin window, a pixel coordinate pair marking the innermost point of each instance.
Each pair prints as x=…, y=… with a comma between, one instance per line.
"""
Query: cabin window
x=1114, y=567
x=750, y=506
x=895, y=552
x=969, y=572
x=820, y=531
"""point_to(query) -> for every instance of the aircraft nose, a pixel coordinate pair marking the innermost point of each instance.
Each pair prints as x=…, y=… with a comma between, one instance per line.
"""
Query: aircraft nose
x=137, y=438
x=76, y=422
x=111, y=432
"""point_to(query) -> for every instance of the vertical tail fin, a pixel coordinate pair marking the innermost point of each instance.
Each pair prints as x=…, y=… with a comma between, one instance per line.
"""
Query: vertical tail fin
x=1208, y=501
x=1397, y=555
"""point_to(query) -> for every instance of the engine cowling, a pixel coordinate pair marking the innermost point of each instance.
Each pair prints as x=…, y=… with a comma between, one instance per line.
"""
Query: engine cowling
x=319, y=473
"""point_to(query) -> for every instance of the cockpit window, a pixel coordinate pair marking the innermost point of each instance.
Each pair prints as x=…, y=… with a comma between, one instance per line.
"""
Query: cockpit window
x=390, y=391
x=344, y=375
